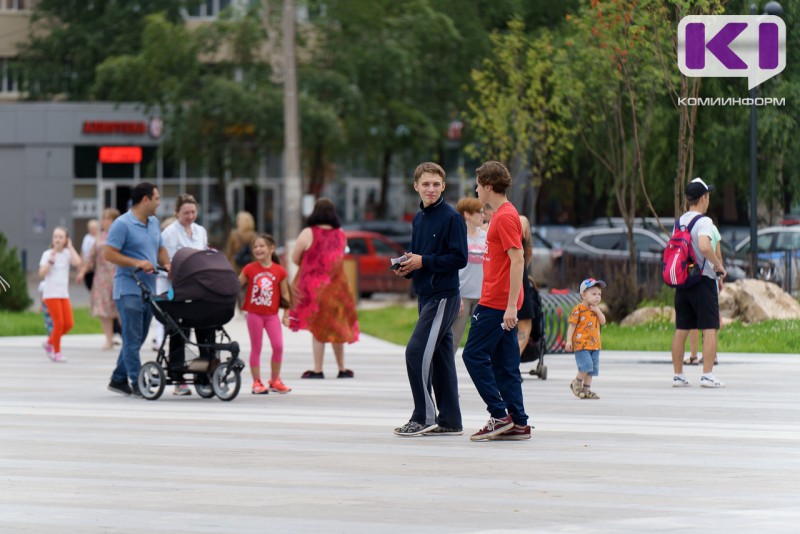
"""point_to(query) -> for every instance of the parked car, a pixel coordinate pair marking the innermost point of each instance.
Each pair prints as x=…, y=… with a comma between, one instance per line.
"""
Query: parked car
x=544, y=257
x=372, y=253
x=776, y=245
x=397, y=231
x=613, y=243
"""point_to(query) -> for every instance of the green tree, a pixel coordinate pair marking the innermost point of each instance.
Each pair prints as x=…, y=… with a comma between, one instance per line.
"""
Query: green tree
x=70, y=38
x=13, y=284
x=517, y=111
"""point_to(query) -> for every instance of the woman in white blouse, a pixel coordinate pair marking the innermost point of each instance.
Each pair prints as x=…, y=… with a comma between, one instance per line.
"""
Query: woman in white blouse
x=183, y=233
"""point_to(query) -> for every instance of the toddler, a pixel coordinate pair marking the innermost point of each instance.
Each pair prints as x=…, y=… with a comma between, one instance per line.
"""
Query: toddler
x=584, y=335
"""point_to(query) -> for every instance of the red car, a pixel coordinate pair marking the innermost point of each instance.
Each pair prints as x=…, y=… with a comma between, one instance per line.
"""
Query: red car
x=372, y=252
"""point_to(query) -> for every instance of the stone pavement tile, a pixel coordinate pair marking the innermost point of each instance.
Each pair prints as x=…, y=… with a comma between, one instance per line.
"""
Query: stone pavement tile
x=323, y=458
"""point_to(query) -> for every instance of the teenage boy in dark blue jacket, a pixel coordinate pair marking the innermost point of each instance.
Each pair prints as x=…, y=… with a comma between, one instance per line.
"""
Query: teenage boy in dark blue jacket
x=438, y=251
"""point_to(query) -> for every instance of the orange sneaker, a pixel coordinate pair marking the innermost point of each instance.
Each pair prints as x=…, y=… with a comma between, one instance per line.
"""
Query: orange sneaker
x=278, y=387
x=259, y=388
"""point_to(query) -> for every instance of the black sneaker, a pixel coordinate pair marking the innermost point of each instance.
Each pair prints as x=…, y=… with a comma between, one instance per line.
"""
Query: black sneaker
x=445, y=431
x=135, y=391
x=120, y=387
x=413, y=429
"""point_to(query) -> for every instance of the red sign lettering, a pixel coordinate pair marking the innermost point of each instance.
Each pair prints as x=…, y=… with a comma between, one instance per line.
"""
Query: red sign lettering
x=114, y=127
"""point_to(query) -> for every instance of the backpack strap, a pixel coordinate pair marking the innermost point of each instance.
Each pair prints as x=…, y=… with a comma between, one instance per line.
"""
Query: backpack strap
x=689, y=229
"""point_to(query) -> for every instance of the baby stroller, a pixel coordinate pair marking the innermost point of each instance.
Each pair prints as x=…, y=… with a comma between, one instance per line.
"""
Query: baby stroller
x=537, y=342
x=204, y=298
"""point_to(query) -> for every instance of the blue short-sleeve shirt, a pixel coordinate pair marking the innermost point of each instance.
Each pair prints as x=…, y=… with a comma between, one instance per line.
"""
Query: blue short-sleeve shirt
x=136, y=240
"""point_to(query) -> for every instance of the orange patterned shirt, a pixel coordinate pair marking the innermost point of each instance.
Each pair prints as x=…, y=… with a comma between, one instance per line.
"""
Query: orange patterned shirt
x=587, y=328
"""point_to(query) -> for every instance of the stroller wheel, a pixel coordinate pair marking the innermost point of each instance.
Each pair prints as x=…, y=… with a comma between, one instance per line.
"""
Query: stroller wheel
x=226, y=381
x=543, y=372
x=205, y=390
x=152, y=380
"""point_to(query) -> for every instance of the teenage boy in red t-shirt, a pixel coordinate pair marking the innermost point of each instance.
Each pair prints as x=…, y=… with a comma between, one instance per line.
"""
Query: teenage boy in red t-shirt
x=491, y=354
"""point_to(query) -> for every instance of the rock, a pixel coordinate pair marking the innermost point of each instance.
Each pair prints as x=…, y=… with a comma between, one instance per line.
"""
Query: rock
x=728, y=308
x=647, y=315
x=758, y=301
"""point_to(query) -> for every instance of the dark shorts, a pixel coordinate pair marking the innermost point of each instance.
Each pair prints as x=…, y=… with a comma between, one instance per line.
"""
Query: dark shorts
x=698, y=306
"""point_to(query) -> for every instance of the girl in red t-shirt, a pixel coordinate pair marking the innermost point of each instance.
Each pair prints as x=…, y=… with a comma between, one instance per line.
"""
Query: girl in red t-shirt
x=267, y=282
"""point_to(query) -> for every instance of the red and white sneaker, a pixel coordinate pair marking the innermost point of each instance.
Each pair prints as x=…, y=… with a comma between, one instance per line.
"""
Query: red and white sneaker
x=259, y=388
x=493, y=428
x=278, y=386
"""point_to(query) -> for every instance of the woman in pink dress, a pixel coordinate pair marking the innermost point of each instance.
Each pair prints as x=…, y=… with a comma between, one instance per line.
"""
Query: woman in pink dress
x=323, y=303
x=101, y=296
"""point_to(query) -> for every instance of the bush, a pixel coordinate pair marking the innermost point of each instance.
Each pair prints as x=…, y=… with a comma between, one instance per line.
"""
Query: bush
x=13, y=293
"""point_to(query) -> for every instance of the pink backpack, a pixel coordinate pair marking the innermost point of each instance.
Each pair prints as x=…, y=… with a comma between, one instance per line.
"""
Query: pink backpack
x=679, y=268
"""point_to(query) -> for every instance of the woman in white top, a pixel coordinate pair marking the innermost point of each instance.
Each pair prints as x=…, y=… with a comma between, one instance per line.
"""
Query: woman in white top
x=183, y=233
x=471, y=276
x=54, y=268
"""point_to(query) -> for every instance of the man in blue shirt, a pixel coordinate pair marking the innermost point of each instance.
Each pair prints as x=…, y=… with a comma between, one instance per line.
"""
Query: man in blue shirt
x=438, y=251
x=134, y=241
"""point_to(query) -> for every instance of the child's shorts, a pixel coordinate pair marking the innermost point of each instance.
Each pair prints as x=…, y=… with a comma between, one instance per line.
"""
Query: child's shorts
x=588, y=361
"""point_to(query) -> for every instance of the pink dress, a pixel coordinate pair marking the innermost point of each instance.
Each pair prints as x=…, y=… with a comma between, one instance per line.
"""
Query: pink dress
x=101, y=297
x=324, y=305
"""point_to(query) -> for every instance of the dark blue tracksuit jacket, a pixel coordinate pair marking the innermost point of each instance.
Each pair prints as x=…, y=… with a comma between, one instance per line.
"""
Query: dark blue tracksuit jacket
x=440, y=237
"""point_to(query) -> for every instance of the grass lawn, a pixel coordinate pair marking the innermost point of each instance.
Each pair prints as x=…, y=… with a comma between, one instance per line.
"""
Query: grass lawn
x=32, y=323
x=395, y=324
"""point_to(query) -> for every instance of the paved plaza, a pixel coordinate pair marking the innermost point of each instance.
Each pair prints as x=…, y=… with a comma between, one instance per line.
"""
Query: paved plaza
x=75, y=457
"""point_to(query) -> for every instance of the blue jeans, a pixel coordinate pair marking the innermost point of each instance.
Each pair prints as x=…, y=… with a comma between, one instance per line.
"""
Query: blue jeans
x=588, y=361
x=492, y=359
x=134, y=316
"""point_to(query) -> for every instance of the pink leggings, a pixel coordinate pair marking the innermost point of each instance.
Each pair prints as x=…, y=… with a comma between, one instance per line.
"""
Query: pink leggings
x=272, y=324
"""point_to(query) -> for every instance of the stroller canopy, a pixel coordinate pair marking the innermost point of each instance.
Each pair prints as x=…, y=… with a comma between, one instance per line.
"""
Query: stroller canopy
x=204, y=275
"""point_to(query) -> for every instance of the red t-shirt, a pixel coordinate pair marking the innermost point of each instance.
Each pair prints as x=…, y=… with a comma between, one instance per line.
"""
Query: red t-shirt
x=263, y=288
x=505, y=232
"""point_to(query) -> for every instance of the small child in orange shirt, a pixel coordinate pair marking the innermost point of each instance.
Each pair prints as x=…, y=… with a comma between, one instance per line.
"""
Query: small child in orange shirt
x=584, y=334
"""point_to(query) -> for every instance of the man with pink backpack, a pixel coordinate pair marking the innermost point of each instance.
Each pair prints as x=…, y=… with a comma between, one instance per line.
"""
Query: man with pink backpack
x=696, y=272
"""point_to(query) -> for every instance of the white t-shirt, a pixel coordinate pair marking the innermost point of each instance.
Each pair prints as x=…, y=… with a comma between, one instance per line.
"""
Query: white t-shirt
x=56, y=282
x=175, y=238
x=703, y=226
x=86, y=245
x=471, y=276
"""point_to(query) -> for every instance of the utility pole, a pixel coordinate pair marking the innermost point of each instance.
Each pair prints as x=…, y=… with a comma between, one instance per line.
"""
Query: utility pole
x=292, y=185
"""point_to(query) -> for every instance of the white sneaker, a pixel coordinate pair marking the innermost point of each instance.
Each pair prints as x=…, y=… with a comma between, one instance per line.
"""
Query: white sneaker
x=710, y=382
x=679, y=381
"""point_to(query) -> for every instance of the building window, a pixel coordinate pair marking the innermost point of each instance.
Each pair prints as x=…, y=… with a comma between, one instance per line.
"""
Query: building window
x=17, y=5
x=212, y=8
x=9, y=77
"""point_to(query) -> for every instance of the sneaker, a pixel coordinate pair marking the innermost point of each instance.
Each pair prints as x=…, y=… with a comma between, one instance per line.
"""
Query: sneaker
x=493, y=428
x=445, y=431
x=589, y=394
x=414, y=429
x=679, y=381
x=182, y=390
x=278, y=386
x=58, y=357
x=347, y=373
x=710, y=382
x=312, y=374
x=576, y=386
x=120, y=387
x=135, y=391
x=259, y=388
x=517, y=433
x=48, y=349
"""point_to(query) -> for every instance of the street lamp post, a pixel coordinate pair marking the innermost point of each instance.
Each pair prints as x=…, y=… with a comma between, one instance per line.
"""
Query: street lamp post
x=772, y=8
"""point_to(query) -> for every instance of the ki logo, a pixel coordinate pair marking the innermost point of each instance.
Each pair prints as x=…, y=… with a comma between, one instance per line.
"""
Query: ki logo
x=722, y=46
